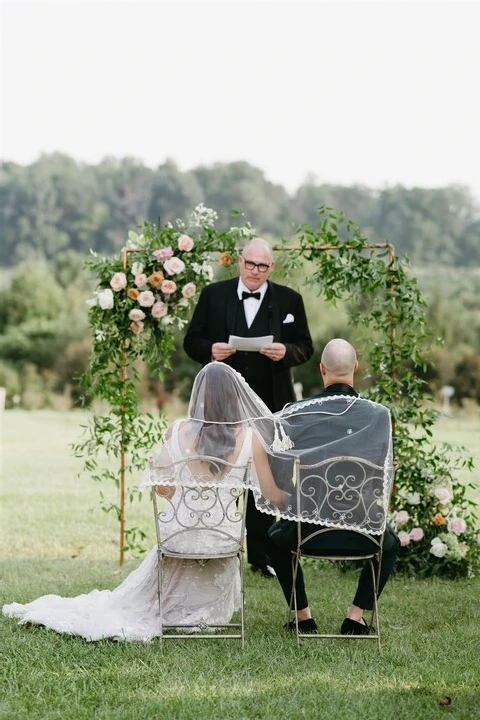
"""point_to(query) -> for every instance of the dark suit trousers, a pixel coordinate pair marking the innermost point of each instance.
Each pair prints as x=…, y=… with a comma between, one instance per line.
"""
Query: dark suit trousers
x=279, y=549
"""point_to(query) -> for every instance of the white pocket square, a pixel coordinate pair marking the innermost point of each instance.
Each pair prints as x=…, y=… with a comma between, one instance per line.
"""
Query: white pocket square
x=288, y=319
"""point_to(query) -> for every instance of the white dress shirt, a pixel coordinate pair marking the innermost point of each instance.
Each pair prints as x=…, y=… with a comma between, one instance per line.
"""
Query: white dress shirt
x=251, y=305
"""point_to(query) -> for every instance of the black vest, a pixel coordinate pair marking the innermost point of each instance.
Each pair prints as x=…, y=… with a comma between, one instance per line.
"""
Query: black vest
x=252, y=364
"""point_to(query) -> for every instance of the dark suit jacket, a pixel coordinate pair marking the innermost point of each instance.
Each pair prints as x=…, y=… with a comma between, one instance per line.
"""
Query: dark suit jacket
x=214, y=318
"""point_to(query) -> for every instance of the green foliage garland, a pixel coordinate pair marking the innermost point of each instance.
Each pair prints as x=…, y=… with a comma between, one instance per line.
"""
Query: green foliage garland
x=143, y=296
x=435, y=519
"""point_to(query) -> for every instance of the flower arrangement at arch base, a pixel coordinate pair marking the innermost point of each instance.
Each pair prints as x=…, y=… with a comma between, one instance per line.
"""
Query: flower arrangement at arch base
x=143, y=297
x=438, y=527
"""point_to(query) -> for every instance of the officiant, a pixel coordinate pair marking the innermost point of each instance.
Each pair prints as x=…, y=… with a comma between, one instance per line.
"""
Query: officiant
x=253, y=312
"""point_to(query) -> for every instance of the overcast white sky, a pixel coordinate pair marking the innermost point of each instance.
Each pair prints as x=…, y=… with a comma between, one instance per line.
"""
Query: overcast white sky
x=376, y=93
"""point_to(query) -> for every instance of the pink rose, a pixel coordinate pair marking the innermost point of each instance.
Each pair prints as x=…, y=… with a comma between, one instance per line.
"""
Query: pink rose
x=136, y=315
x=168, y=287
x=146, y=298
x=185, y=243
x=140, y=280
x=162, y=253
x=174, y=266
x=159, y=310
x=457, y=525
x=136, y=327
x=189, y=290
x=416, y=534
x=402, y=517
x=404, y=538
x=118, y=281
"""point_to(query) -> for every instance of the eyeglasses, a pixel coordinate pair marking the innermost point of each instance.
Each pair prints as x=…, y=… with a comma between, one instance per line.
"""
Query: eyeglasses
x=261, y=267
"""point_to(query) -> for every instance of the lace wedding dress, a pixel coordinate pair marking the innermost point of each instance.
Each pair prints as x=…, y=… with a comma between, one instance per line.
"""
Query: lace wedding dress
x=193, y=593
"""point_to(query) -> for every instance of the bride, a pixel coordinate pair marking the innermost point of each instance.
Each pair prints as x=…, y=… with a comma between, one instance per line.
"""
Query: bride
x=224, y=421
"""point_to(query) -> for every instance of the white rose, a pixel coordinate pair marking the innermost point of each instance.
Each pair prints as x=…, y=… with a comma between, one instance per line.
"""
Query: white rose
x=137, y=268
x=93, y=302
x=105, y=299
x=413, y=498
x=438, y=548
x=443, y=495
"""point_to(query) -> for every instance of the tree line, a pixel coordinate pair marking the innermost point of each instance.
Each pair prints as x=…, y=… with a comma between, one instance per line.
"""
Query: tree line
x=57, y=204
x=55, y=210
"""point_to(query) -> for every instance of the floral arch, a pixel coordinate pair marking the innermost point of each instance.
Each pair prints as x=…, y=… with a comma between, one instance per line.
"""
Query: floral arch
x=146, y=294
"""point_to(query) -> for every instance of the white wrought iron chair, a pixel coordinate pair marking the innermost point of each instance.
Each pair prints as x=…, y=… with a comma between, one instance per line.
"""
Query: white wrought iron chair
x=204, y=510
x=343, y=493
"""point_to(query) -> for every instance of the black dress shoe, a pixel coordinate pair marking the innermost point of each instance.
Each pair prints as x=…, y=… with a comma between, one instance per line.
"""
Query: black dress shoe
x=265, y=571
x=306, y=627
x=352, y=627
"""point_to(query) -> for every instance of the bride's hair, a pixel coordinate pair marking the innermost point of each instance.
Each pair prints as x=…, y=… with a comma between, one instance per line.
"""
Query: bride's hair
x=220, y=408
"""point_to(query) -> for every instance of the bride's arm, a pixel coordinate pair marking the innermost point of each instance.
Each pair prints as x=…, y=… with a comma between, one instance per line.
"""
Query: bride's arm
x=268, y=486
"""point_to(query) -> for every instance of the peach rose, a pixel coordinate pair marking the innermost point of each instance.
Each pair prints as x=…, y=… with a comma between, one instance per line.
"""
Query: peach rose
x=168, y=287
x=438, y=519
x=185, y=243
x=225, y=259
x=146, y=298
x=118, y=281
x=136, y=327
x=133, y=293
x=156, y=279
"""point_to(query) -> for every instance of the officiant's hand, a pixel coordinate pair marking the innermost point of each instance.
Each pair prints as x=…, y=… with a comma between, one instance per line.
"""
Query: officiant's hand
x=221, y=351
x=274, y=351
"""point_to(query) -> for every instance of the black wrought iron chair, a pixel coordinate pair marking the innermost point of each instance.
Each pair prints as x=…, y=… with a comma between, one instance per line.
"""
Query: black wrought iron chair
x=342, y=493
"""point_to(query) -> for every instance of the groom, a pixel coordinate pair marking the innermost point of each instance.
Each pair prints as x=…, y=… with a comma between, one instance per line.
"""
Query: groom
x=253, y=306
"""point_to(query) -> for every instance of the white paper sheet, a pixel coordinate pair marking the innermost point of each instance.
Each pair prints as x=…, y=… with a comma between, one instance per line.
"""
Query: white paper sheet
x=252, y=344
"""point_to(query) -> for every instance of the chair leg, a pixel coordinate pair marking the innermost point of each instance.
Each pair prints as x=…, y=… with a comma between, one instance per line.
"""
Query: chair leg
x=375, y=620
x=295, y=562
x=242, y=601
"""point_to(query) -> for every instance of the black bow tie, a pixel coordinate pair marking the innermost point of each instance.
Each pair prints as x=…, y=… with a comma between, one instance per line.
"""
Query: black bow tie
x=246, y=295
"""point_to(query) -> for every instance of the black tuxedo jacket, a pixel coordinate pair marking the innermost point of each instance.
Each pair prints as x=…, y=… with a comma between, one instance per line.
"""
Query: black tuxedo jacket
x=213, y=321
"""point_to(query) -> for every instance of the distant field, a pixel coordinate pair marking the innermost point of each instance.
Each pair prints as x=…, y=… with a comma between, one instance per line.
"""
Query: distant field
x=37, y=460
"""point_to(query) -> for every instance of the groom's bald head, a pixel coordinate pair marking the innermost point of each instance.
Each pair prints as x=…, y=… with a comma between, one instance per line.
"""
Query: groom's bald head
x=339, y=362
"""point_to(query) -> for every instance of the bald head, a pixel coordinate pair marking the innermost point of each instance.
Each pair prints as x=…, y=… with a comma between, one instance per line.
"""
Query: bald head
x=256, y=245
x=339, y=362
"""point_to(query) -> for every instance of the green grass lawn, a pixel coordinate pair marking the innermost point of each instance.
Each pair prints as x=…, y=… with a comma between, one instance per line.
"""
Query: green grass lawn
x=55, y=539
